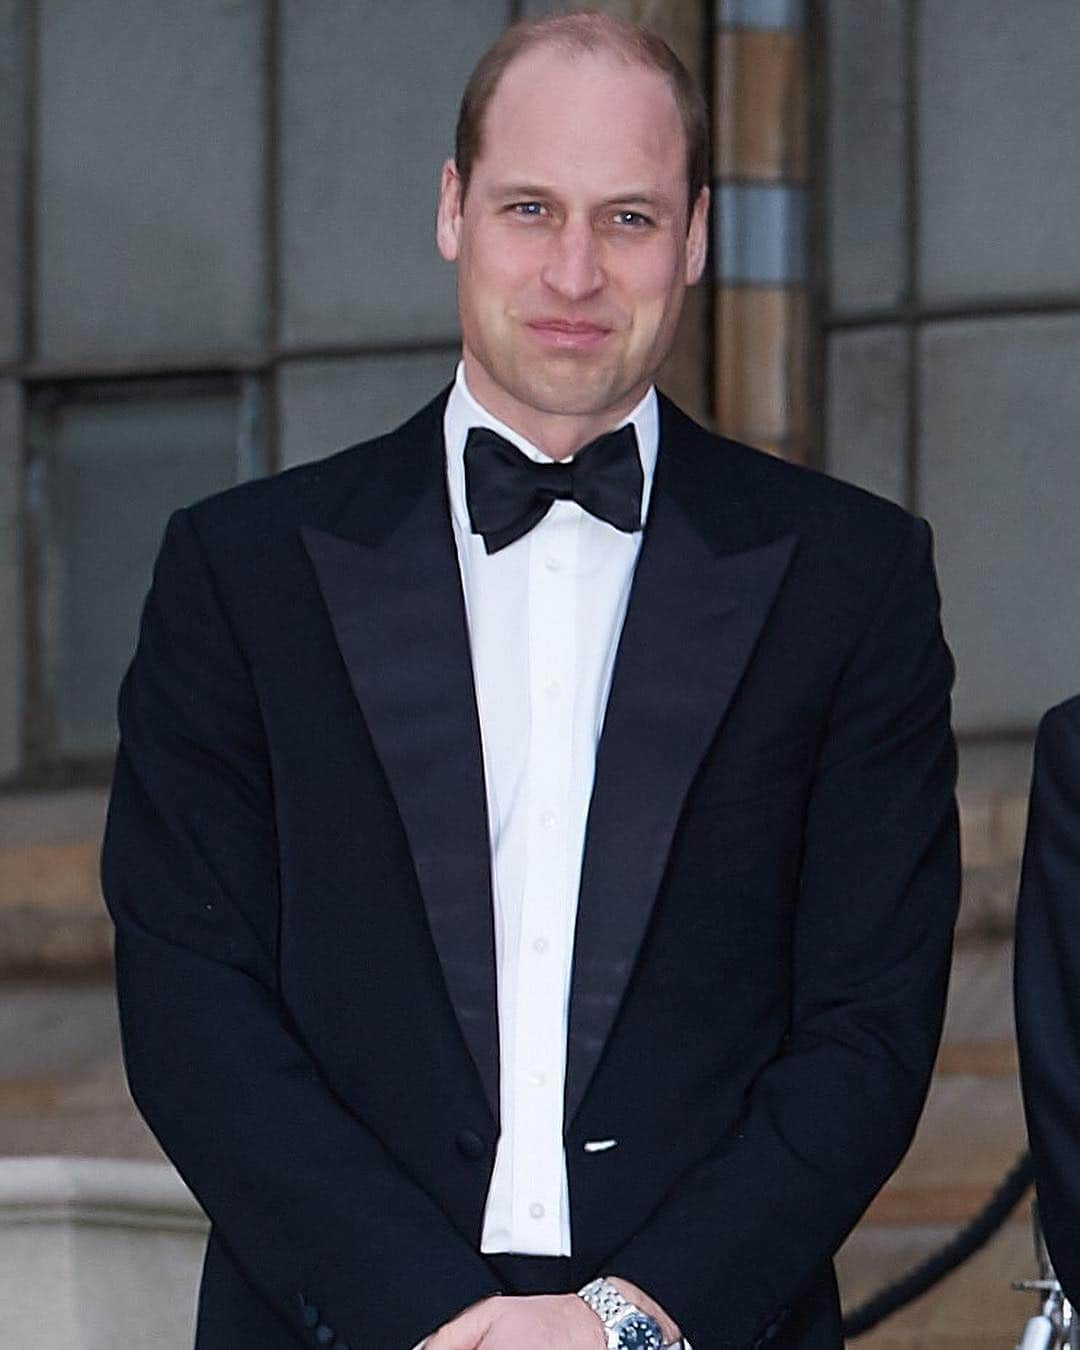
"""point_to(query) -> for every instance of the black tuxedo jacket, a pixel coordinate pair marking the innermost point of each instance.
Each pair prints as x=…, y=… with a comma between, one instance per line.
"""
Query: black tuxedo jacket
x=1048, y=986
x=297, y=864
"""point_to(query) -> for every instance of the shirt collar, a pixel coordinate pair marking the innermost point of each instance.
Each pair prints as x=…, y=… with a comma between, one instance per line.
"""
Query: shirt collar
x=464, y=412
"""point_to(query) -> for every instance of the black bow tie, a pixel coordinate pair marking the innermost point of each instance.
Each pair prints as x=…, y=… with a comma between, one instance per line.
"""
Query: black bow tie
x=508, y=493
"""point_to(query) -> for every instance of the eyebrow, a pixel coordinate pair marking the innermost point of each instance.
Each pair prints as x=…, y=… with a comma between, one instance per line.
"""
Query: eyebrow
x=519, y=190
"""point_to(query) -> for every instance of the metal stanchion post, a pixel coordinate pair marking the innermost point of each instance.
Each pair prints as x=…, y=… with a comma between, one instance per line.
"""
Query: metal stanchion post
x=1054, y=1326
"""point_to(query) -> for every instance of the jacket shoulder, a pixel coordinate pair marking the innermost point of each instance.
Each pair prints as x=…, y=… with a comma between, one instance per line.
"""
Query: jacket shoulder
x=313, y=493
x=793, y=497
x=287, y=494
x=819, y=501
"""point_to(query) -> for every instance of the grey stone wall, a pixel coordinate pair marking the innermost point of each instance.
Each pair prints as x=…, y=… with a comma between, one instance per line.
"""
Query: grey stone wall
x=952, y=285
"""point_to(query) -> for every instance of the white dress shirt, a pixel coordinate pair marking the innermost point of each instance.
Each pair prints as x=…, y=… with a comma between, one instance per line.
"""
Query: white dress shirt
x=544, y=614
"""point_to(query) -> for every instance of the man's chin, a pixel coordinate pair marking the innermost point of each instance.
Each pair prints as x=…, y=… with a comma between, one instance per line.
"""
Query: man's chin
x=572, y=390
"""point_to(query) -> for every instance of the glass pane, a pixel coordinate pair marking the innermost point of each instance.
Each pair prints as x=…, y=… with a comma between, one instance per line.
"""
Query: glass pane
x=999, y=168
x=326, y=405
x=999, y=480
x=108, y=473
x=149, y=213
x=12, y=154
x=369, y=101
x=12, y=624
x=867, y=172
x=867, y=423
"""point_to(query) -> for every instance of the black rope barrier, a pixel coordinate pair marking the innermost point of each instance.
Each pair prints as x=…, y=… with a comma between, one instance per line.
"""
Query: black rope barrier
x=956, y=1251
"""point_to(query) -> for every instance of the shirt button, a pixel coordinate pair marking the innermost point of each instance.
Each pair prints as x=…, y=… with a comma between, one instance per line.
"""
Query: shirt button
x=537, y=1079
x=553, y=689
x=552, y=563
x=536, y=1210
x=540, y=945
x=548, y=820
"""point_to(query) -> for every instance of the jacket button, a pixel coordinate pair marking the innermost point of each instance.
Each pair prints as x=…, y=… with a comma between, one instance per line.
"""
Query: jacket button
x=324, y=1334
x=470, y=1144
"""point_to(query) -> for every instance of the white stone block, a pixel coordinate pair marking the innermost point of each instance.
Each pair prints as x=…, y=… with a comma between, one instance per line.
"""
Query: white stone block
x=97, y=1253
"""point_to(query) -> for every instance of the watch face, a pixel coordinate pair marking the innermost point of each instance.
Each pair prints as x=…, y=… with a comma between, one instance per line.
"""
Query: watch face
x=639, y=1332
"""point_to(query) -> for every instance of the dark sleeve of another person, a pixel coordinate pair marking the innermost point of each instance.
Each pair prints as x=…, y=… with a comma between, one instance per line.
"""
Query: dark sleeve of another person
x=1048, y=986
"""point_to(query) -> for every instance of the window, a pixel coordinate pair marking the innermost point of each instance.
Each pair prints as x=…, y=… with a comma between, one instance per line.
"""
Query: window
x=108, y=462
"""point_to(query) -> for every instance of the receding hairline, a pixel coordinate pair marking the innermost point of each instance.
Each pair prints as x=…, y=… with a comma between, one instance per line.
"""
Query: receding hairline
x=576, y=35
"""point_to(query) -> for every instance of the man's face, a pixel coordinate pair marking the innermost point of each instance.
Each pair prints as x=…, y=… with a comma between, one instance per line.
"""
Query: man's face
x=572, y=243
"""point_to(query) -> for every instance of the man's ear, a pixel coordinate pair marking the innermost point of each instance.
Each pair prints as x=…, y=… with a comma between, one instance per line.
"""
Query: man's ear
x=448, y=217
x=697, y=238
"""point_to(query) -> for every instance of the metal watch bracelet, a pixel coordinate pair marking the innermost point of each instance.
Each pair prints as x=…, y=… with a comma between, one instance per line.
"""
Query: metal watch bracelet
x=605, y=1300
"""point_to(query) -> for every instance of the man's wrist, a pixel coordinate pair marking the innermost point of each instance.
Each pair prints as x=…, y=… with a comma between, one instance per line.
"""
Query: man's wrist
x=636, y=1296
x=669, y=1328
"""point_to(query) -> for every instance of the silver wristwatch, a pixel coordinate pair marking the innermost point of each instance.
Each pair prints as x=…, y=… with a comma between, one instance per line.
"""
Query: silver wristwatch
x=627, y=1327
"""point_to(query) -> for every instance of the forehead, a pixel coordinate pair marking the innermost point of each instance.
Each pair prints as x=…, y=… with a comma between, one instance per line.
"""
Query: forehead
x=583, y=118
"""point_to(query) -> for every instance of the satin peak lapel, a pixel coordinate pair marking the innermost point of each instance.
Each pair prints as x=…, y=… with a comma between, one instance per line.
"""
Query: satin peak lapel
x=693, y=621
x=398, y=614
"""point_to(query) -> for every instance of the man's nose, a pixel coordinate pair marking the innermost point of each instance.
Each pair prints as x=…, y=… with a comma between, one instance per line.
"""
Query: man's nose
x=573, y=266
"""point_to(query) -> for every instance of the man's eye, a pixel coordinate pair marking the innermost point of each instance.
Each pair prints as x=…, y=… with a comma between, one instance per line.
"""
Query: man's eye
x=634, y=219
x=527, y=208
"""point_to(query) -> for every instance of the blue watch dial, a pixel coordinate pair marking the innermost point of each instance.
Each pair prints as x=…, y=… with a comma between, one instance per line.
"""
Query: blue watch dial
x=639, y=1333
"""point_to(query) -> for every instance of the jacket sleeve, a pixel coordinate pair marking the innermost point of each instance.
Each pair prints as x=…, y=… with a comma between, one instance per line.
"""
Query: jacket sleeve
x=310, y=1205
x=751, y=1227
x=1047, y=975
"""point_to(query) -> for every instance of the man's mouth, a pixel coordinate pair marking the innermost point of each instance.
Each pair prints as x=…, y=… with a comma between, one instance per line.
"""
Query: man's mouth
x=567, y=334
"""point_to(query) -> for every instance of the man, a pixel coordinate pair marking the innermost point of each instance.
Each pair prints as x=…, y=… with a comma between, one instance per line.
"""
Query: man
x=1048, y=986
x=532, y=850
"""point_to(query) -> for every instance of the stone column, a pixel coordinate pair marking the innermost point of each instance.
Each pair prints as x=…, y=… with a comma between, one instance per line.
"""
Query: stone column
x=761, y=224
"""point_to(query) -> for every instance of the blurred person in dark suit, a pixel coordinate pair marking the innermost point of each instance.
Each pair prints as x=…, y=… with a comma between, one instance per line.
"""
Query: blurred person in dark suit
x=532, y=847
x=1048, y=986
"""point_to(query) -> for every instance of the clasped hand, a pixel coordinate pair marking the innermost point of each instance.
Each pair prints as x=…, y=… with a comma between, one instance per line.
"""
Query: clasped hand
x=507, y=1322
x=512, y=1322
